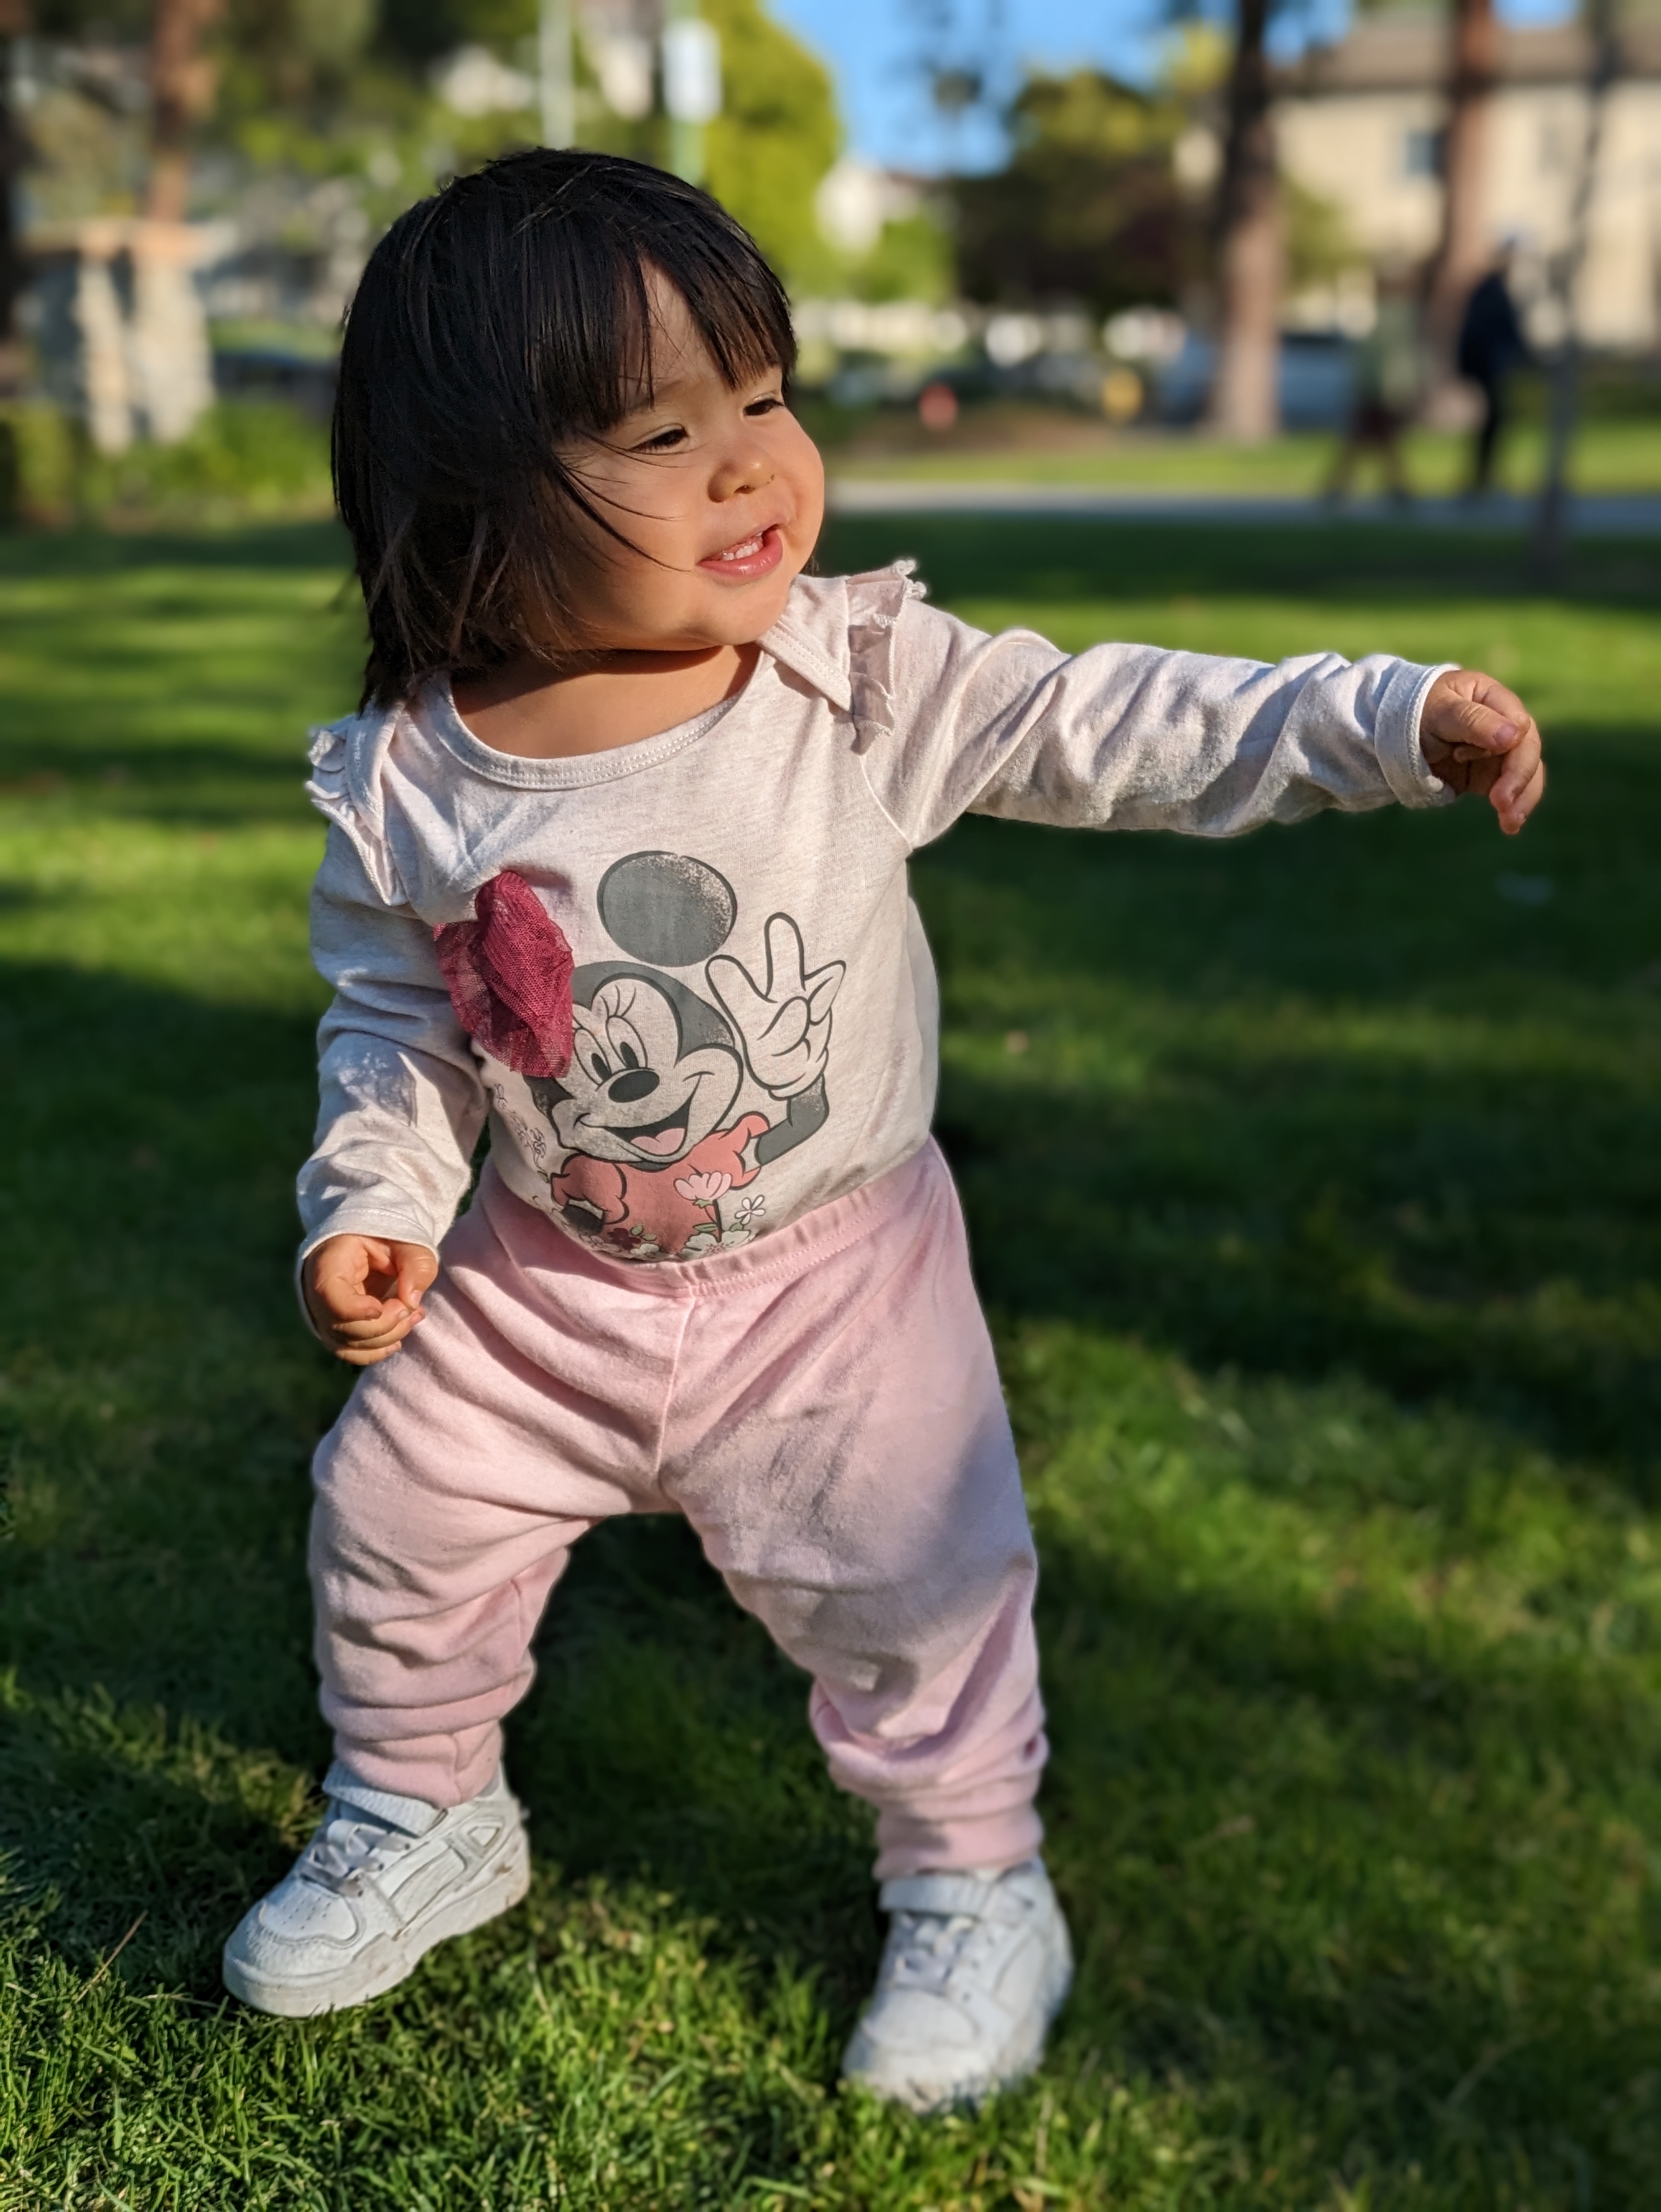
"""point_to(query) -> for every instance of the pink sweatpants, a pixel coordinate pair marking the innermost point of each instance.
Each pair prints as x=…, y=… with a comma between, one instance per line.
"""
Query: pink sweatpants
x=824, y=1408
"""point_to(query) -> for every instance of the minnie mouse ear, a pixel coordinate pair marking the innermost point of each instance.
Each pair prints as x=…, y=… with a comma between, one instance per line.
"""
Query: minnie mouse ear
x=666, y=909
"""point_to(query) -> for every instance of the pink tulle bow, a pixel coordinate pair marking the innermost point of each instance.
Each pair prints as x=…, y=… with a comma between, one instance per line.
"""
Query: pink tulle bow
x=509, y=977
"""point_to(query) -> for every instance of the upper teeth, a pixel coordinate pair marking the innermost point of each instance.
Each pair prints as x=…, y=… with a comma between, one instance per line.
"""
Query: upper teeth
x=737, y=552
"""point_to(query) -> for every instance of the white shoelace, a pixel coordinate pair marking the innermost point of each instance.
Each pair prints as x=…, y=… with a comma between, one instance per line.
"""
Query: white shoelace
x=927, y=1947
x=345, y=1845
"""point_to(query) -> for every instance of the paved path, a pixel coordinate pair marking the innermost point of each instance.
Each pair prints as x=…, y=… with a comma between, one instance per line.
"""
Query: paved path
x=1600, y=516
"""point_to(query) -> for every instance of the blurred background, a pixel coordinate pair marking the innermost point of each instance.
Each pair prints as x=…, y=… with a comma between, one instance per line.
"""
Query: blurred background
x=1149, y=246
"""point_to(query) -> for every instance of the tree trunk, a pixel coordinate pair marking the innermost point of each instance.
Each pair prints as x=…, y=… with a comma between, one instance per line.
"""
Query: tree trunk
x=182, y=84
x=1551, y=521
x=14, y=151
x=1465, y=249
x=1250, y=247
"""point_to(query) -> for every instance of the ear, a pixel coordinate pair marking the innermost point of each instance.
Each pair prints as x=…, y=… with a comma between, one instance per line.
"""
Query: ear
x=548, y=1093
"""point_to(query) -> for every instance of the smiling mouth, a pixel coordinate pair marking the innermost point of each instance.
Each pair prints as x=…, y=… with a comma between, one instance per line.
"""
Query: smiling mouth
x=754, y=556
x=659, y=1140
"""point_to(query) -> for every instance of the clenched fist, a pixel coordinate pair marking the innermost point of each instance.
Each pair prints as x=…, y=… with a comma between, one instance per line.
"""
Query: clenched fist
x=364, y=1294
x=1479, y=737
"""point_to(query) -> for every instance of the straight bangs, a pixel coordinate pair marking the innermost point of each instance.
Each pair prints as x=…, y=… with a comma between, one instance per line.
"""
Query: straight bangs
x=495, y=324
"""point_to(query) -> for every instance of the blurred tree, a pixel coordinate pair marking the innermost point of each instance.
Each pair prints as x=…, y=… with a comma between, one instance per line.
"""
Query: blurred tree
x=295, y=56
x=915, y=258
x=184, y=80
x=1088, y=208
x=775, y=136
x=1319, y=244
x=1250, y=244
x=1464, y=250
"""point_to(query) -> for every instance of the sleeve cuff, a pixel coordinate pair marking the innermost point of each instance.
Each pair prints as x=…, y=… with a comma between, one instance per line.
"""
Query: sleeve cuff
x=1395, y=735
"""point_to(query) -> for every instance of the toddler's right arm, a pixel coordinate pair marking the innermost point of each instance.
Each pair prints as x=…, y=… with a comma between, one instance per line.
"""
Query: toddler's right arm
x=400, y=1108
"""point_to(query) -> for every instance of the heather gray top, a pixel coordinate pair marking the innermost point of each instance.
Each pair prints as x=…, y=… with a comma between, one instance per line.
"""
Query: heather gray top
x=754, y=1003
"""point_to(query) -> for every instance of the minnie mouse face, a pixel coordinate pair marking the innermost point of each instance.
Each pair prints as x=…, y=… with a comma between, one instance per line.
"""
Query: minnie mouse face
x=654, y=1071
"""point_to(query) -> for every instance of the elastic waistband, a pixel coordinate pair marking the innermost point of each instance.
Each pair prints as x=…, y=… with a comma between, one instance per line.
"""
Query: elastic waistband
x=780, y=1253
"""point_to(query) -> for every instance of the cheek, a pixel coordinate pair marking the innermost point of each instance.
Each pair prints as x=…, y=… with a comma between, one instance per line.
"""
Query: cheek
x=800, y=460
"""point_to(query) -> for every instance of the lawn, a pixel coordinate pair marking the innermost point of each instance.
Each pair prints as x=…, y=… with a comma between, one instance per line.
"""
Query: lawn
x=1314, y=1187
x=1608, y=457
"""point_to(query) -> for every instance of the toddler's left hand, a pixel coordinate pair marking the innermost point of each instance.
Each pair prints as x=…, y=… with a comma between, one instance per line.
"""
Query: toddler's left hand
x=1477, y=735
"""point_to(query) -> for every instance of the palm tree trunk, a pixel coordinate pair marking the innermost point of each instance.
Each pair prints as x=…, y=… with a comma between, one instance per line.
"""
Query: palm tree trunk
x=1250, y=247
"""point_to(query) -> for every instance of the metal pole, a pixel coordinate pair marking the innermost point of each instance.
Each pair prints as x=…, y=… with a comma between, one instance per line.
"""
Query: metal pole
x=555, y=73
x=691, y=85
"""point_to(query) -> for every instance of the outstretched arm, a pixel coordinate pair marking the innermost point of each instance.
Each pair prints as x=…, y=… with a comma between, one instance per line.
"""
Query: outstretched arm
x=1132, y=737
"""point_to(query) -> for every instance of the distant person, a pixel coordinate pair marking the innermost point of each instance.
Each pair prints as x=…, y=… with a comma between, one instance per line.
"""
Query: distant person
x=1388, y=377
x=1491, y=348
x=617, y=863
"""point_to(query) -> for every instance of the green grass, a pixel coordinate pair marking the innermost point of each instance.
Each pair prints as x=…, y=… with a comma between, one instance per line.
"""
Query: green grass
x=1609, y=457
x=1313, y=1183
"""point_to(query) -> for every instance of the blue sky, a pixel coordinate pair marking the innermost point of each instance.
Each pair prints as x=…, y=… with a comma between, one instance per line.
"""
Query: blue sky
x=875, y=47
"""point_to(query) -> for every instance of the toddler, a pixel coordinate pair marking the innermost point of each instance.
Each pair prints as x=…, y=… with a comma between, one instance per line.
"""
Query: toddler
x=616, y=864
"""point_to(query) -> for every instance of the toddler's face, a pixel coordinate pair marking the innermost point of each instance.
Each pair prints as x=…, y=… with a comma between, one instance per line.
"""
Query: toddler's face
x=721, y=491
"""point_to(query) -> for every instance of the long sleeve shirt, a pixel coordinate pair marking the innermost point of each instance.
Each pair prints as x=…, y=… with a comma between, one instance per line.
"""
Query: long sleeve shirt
x=754, y=1005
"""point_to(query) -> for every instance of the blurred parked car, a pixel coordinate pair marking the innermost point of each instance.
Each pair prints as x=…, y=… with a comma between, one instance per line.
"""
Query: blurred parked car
x=1317, y=380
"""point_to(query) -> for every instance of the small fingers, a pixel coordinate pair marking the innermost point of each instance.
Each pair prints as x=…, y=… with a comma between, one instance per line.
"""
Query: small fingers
x=417, y=1271
x=1514, y=807
x=1472, y=727
x=1467, y=709
x=389, y=1325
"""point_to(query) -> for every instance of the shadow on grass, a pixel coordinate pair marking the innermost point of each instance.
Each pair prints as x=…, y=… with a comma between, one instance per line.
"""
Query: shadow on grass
x=1060, y=558
x=79, y=554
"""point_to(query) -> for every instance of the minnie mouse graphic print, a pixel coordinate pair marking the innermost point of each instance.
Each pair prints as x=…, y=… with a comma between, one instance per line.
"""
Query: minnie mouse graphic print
x=635, y=1072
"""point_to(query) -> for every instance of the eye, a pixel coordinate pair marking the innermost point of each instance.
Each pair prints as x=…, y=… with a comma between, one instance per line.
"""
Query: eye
x=629, y=1056
x=769, y=405
x=599, y=1066
x=662, y=441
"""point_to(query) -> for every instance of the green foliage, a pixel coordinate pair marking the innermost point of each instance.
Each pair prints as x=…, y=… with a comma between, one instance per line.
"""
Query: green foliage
x=244, y=457
x=295, y=51
x=775, y=136
x=764, y=154
x=1316, y=1207
x=915, y=258
x=1088, y=208
x=1319, y=246
x=417, y=31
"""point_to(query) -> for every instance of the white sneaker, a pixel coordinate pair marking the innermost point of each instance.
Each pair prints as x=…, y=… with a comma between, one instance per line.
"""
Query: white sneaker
x=382, y=1880
x=974, y=1970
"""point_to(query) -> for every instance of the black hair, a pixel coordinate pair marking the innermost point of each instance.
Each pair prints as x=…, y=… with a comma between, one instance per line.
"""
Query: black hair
x=495, y=322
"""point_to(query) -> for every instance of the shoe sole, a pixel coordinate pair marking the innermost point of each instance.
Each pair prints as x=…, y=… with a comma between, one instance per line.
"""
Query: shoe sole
x=390, y=1959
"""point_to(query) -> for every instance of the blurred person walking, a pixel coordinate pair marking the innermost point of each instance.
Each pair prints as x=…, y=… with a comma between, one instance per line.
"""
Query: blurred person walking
x=1492, y=346
x=1389, y=382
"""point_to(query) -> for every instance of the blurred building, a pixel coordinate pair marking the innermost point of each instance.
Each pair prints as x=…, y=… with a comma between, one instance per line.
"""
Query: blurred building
x=1360, y=122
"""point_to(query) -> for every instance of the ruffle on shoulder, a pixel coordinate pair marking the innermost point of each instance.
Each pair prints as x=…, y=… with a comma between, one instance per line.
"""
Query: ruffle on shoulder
x=347, y=759
x=837, y=632
x=875, y=602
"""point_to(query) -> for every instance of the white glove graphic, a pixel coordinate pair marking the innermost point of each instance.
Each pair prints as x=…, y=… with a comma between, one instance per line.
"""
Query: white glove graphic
x=785, y=1027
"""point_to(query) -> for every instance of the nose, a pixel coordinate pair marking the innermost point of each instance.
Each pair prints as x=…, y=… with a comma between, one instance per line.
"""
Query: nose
x=633, y=1083
x=745, y=469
